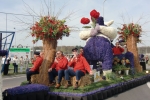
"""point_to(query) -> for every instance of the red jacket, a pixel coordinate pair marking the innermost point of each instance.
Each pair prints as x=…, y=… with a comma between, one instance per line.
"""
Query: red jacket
x=80, y=64
x=36, y=64
x=62, y=64
x=117, y=50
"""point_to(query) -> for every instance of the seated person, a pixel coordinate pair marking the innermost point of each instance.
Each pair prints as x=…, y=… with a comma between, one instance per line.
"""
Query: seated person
x=117, y=50
x=57, y=68
x=81, y=51
x=35, y=67
x=80, y=65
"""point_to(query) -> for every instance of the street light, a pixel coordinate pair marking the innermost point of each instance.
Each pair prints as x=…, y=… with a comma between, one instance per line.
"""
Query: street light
x=103, y=8
x=15, y=36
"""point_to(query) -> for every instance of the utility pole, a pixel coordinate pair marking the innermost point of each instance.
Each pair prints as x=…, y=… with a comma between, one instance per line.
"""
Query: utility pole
x=103, y=7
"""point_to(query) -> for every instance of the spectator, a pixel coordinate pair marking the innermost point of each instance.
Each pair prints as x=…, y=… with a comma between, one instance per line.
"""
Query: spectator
x=32, y=60
x=35, y=68
x=81, y=51
x=6, y=68
x=26, y=62
x=21, y=64
x=15, y=64
x=80, y=65
x=3, y=65
x=57, y=68
x=146, y=59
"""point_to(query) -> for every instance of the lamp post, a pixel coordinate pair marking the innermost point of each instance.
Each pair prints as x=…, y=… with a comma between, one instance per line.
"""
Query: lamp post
x=103, y=7
x=15, y=36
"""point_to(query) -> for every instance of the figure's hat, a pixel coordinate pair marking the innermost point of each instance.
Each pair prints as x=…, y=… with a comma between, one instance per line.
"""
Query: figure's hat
x=36, y=53
x=100, y=21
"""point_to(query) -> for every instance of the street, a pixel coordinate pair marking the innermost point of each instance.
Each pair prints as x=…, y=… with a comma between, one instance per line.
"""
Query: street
x=139, y=93
x=13, y=81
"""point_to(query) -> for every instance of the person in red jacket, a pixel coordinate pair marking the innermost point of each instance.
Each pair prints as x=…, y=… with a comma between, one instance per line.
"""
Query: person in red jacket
x=117, y=50
x=80, y=66
x=81, y=51
x=36, y=64
x=57, y=68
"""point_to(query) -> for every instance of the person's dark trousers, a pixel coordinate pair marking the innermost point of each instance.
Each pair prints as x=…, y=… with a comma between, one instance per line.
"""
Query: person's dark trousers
x=70, y=72
x=16, y=69
x=2, y=70
x=30, y=73
x=6, y=69
x=55, y=73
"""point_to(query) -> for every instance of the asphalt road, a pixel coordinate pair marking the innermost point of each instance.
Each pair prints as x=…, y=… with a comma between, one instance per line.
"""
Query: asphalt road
x=12, y=81
x=139, y=93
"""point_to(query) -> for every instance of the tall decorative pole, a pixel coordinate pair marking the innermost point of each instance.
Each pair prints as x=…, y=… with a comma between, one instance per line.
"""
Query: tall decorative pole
x=131, y=34
x=48, y=29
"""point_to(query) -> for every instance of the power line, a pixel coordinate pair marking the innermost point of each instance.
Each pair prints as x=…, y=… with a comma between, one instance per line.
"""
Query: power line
x=18, y=14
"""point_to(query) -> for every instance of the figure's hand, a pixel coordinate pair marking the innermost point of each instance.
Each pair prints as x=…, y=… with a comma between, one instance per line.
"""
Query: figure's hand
x=50, y=69
x=91, y=72
x=56, y=60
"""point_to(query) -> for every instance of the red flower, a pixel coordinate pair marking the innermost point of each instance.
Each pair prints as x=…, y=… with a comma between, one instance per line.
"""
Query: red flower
x=85, y=20
x=94, y=14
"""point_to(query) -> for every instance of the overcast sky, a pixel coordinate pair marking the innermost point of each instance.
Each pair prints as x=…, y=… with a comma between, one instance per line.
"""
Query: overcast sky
x=121, y=11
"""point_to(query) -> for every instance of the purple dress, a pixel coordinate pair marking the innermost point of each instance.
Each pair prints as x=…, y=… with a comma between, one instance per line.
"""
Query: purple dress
x=99, y=48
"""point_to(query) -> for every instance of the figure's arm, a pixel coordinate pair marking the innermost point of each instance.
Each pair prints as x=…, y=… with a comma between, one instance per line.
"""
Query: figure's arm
x=64, y=63
x=36, y=65
x=86, y=65
x=71, y=62
x=121, y=49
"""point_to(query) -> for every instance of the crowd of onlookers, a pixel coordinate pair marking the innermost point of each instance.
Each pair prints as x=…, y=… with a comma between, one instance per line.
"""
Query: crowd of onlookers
x=18, y=64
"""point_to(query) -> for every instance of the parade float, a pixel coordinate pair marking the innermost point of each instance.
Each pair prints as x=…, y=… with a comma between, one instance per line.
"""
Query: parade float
x=92, y=87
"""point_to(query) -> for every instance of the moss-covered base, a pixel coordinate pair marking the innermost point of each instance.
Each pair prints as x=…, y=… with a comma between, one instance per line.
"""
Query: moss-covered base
x=96, y=85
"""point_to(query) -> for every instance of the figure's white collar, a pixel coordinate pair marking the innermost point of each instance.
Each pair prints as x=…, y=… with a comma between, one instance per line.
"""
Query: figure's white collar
x=101, y=36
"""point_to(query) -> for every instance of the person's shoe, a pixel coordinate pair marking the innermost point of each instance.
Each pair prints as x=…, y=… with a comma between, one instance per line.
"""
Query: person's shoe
x=51, y=84
x=57, y=86
x=67, y=85
x=75, y=87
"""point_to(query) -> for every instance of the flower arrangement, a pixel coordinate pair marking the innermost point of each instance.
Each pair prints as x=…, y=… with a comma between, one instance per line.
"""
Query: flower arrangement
x=94, y=16
x=130, y=29
x=49, y=28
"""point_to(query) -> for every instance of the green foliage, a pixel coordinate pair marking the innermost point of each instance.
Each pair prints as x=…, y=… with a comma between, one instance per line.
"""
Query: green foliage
x=24, y=83
x=117, y=67
x=113, y=79
x=111, y=76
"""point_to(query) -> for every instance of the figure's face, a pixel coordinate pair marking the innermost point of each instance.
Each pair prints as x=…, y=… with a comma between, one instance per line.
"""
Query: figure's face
x=58, y=54
x=41, y=54
x=117, y=44
x=75, y=52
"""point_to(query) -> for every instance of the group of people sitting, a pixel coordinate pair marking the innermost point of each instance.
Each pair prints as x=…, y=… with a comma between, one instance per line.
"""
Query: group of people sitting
x=60, y=68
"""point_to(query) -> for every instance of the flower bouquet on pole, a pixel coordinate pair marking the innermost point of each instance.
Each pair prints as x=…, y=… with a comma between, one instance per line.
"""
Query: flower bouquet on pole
x=130, y=33
x=48, y=29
